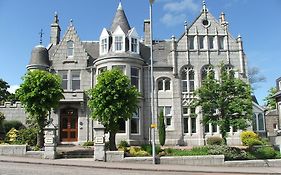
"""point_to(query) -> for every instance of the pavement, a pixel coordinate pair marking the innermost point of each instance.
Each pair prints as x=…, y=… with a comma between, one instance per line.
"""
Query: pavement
x=90, y=163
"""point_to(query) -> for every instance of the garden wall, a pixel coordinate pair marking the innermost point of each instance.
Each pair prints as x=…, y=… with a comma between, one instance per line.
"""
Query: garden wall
x=13, y=111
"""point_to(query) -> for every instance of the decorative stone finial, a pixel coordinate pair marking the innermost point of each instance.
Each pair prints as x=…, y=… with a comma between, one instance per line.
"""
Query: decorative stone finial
x=120, y=6
x=204, y=9
x=71, y=22
x=56, y=18
x=41, y=36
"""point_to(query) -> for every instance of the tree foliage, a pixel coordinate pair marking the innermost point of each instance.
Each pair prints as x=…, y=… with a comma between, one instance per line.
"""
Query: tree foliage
x=112, y=99
x=4, y=94
x=255, y=77
x=162, y=129
x=225, y=102
x=269, y=99
x=39, y=93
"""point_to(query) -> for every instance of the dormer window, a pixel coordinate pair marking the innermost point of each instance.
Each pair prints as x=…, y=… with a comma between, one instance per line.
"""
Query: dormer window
x=134, y=45
x=104, y=45
x=118, y=43
x=221, y=43
x=70, y=48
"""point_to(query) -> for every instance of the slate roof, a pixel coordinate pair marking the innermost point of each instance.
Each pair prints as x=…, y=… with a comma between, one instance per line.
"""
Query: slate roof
x=121, y=20
x=39, y=56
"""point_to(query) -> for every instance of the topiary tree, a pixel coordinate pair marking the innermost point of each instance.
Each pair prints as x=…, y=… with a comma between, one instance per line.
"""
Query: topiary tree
x=162, y=129
x=225, y=102
x=112, y=99
x=39, y=93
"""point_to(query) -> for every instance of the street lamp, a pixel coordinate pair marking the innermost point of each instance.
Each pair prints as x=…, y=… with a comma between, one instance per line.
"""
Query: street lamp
x=153, y=123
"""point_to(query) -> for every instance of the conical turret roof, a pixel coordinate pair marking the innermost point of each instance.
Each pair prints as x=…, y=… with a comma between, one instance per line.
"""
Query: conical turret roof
x=121, y=20
x=39, y=58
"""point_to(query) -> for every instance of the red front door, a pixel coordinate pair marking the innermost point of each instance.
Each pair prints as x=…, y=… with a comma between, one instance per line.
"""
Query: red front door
x=69, y=125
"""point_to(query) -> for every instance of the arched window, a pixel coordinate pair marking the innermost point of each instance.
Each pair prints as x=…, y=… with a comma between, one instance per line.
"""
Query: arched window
x=228, y=69
x=70, y=48
x=187, y=77
x=207, y=70
x=260, y=122
x=164, y=84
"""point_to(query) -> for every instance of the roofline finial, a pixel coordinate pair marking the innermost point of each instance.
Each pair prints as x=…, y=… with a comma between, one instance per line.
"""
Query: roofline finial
x=56, y=17
x=41, y=36
x=204, y=9
x=120, y=6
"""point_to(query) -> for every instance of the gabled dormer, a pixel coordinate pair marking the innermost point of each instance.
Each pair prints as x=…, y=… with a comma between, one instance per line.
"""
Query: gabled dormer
x=133, y=41
x=119, y=40
x=104, y=42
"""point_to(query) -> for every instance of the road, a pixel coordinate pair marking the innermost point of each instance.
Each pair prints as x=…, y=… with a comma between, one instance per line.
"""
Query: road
x=35, y=169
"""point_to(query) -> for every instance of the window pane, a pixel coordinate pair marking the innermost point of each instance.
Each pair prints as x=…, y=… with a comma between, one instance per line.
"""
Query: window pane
x=261, y=122
x=191, y=42
x=134, y=45
x=191, y=86
x=122, y=126
x=193, y=125
x=221, y=42
x=135, y=125
x=168, y=121
x=160, y=85
x=185, y=110
x=201, y=42
x=214, y=128
x=168, y=110
x=118, y=43
x=101, y=70
x=184, y=86
x=120, y=67
x=211, y=42
x=75, y=76
x=135, y=72
x=64, y=77
x=185, y=125
x=70, y=48
x=167, y=84
x=183, y=75
x=135, y=77
x=207, y=128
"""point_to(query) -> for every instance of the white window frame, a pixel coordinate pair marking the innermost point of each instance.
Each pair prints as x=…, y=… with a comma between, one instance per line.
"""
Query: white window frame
x=120, y=67
x=134, y=45
x=257, y=123
x=104, y=45
x=211, y=40
x=201, y=42
x=136, y=76
x=188, y=81
x=167, y=116
x=164, y=80
x=72, y=73
x=63, y=73
x=119, y=42
x=191, y=42
x=221, y=42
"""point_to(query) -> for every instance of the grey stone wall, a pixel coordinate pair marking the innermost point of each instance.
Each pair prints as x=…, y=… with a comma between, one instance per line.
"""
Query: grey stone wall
x=13, y=111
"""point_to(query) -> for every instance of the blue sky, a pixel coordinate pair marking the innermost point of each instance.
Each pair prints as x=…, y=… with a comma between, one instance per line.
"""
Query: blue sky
x=258, y=22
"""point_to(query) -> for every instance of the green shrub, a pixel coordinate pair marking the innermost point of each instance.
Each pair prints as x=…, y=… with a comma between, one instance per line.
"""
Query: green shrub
x=246, y=135
x=214, y=140
x=230, y=153
x=27, y=136
x=123, y=144
x=89, y=143
x=148, y=148
x=9, y=124
x=137, y=152
x=265, y=152
x=12, y=135
x=252, y=142
x=162, y=128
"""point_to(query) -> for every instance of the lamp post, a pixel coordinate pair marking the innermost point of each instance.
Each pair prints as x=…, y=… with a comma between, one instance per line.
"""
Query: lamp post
x=153, y=123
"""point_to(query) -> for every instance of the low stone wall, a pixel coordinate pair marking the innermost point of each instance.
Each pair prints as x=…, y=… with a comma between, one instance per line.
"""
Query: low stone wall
x=254, y=163
x=211, y=160
x=114, y=156
x=139, y=160
x=13, y=150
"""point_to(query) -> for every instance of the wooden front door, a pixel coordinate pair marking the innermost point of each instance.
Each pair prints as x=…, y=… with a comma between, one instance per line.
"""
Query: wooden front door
x=69, y=125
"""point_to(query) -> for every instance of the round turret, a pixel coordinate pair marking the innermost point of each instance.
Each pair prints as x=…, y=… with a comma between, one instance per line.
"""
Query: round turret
x=39, y=58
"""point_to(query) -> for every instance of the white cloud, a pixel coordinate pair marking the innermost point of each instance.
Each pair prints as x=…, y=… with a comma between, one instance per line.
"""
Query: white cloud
x=180, y=6
x=173, y=19
x=13, y=88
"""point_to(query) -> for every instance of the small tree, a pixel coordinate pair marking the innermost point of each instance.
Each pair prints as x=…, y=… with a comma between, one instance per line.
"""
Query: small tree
x=162, y=129
x=3, y=91
x=269, y=99
x=225, y=102
x=112, y=99
x=39, y=93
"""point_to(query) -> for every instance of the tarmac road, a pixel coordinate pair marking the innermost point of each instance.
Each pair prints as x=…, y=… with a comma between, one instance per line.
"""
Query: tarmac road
x=7, y=168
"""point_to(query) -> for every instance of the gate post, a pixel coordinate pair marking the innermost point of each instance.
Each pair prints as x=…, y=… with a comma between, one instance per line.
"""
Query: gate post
x=50, y=141
x=99, y=143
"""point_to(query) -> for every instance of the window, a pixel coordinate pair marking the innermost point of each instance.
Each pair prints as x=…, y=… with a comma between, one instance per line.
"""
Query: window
x=118, y=43
x=201, y=42
x=134, y=45
x=260, y=122
x=193, y=124
x=64, y=76
x=187, y=78
x=135, y=77
x=164, y=84
x=122, y=126
x=207, y=70
x=185, y=119
x=228, y=69
x=207, y=128
x=167, y=110
x=214, y=128
x=275, y=126
x=120, y=67
x=104, y=45
x=101, y=70
x=221, y=42
x=211, y=42
x=135, y=123
x=70, y=48
x=191, y=42
x=75, y=80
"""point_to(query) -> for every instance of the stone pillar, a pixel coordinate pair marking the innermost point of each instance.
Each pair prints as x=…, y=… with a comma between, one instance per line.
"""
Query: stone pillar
x=50, y=141
x=99, y=143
